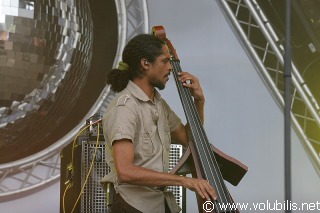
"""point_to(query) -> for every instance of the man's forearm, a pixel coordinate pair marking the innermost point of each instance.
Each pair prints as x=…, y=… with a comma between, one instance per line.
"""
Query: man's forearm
x=145, y=177
x=200, y=108
x=137, y=175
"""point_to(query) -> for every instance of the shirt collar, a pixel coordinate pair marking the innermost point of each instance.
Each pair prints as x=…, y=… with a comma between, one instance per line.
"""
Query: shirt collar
x=138, y=92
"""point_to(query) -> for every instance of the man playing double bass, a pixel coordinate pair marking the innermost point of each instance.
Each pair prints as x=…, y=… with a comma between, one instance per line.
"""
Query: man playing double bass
x=138, y=126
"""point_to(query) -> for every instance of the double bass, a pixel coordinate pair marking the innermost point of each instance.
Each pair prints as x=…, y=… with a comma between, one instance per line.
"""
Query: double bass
x=201, y=158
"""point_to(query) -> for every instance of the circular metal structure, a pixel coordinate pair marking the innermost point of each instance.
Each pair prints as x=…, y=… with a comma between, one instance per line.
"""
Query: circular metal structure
x=43, y=166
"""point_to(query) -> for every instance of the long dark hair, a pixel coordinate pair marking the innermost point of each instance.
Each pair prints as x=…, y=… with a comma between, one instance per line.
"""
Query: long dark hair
x=142, y=46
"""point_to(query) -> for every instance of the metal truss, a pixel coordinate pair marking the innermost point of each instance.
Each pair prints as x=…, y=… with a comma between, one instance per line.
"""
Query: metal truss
x=266, y=50
x=43, y=168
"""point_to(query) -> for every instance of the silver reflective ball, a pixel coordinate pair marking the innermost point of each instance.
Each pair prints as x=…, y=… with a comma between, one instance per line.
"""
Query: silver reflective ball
x=45, y=55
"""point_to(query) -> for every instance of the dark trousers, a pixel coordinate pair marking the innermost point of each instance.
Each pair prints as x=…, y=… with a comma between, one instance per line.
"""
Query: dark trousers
x=121, y=206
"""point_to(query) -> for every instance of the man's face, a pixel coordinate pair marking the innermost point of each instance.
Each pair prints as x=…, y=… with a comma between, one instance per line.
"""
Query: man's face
x=160, y=69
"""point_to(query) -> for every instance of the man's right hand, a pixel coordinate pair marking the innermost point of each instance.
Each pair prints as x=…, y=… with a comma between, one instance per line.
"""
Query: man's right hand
x=202, y=187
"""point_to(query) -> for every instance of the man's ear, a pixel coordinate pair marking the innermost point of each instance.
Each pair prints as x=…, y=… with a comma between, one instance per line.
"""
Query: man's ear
x=145, y=63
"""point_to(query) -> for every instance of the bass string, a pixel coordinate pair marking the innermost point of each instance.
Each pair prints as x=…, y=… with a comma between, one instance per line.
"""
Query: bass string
x=198, y=133
x=193, y=116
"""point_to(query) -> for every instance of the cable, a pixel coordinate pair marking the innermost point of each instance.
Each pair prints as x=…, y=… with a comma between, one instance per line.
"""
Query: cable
x=75, y=139
x=63, y=197
x=89, y=172
x=70, y=167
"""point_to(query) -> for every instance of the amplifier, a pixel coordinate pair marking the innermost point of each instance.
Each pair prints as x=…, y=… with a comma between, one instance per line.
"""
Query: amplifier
x=94, y=198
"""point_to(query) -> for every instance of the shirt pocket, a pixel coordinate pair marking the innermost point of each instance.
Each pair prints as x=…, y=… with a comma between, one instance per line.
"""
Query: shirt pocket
x=147, y=142
x=167, y=137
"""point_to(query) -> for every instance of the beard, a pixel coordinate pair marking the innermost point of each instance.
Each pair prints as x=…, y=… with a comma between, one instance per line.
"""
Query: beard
x=158, y=84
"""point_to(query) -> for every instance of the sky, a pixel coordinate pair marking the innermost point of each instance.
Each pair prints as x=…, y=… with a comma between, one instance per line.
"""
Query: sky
x=241, y=117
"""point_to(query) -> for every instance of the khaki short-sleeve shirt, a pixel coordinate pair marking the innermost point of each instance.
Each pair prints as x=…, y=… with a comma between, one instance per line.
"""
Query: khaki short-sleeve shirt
x=148, y=124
